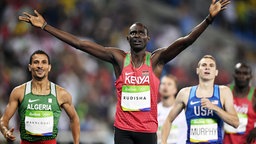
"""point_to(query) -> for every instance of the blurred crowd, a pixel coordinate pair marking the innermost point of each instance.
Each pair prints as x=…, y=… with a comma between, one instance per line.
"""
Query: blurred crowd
x=90, y=81
x=239, y=17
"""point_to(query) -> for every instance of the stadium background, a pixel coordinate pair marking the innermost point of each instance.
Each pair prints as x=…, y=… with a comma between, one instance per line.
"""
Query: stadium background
x=231, y=38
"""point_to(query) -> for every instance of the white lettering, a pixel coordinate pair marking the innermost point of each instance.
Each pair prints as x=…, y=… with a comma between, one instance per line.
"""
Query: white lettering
x=136, y=80
x=134, y=98
x=39, y=107
x=241, y=109
x=201, y=111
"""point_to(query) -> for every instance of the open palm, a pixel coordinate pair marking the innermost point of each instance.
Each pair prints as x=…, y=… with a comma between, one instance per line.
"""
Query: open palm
x=37, y=20
x=218, y=6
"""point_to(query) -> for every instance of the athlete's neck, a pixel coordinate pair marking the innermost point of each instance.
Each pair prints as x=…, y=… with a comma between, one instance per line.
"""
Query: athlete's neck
x=206, y=84
x=169, y=101
x=137, y=58
x=40, y=87
x=241, y=91
x=205, y=89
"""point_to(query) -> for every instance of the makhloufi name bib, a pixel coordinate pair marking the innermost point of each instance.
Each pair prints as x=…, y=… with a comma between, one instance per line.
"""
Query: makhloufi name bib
x=39, y=122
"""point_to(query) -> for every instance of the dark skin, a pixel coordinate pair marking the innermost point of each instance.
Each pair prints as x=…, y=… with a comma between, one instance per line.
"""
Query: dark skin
x=137, y=37
x=242, y=78
x=252, y=136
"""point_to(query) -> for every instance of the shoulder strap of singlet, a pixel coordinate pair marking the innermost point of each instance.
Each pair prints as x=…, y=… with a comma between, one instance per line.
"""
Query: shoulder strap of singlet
x=232, y=85
x=147, y=60
x=53, y=89
x=28, y=88
x=192, y=92
x=127, y=59
x=216, y=92
x=251, y=92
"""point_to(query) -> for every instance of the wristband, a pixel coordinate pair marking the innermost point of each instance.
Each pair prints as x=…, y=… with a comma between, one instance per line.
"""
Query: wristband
x=43, y=26
x=209, y=19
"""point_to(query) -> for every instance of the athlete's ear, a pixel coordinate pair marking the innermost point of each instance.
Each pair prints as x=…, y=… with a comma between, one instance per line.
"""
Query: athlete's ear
x=128, y=38
x=251, y=76
x=197, y=71
x=50, y=67
x=216, y=73
x=29, y=67
x=175, y=91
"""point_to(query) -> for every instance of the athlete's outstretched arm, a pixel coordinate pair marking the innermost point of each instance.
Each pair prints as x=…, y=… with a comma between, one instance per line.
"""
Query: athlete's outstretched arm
x=177, y=108
x=164, y=55
x=90, y=47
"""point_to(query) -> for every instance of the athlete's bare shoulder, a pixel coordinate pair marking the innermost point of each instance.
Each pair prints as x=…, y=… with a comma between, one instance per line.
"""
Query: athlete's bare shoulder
x=18, y=92
x=185, y=90
x=118, y=56
x=225, y=90
x=117, y=52
x=225, y=94
x=184, y=94
x=63, y=96
x=156, y=54
x=223, y=87
x=61, y=92
x=20, y=87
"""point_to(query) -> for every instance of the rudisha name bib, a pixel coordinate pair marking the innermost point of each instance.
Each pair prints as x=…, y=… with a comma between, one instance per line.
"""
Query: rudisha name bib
x=135, y=98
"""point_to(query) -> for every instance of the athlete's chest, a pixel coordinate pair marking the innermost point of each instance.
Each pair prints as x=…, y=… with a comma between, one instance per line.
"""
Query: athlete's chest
x=139, y=76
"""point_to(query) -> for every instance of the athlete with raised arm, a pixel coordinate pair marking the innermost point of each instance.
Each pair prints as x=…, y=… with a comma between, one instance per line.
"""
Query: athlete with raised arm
x=137, y=73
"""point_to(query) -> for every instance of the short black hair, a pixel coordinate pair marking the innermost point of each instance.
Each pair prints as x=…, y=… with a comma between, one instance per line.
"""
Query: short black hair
x=39, y=52
x=243, y=65
x=141, y=24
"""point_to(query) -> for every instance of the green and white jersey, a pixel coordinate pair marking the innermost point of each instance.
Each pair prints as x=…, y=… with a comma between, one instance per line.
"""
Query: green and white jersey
x=39, y=115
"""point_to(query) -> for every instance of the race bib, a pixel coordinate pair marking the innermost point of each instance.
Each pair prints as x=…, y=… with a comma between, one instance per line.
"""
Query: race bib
x=243, y=120
x=39, y=123
x=135, y=98
x=203, y=130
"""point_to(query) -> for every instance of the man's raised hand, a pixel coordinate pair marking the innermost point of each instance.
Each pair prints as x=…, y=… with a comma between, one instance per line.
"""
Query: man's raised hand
x=217, y=6
x=37, y=21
